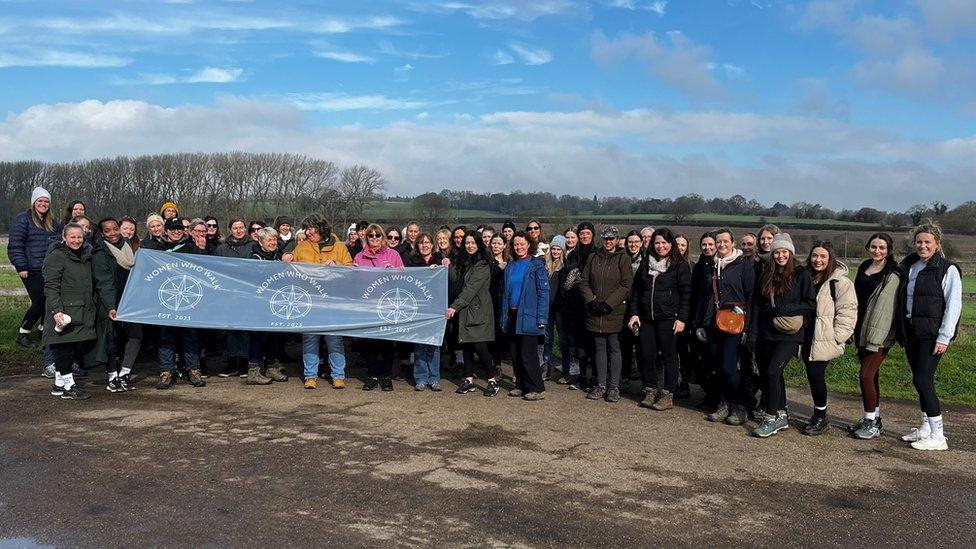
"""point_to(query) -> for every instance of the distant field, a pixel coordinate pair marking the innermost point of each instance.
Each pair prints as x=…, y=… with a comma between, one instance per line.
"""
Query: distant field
x=753, y=219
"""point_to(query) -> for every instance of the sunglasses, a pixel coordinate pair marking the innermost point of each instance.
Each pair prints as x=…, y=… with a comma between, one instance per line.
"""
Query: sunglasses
x=392, y=237
x=374, y=235
x=214, y=225
x=255, y=229
x=535, y=228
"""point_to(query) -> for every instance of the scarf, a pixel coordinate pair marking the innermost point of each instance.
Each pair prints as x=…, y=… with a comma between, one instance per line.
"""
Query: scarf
x=723, y=262
x=656, y=266
x=124, y=256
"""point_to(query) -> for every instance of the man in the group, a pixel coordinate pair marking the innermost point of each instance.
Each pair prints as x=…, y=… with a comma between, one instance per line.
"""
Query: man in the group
x=646, y=233
x=748, y=243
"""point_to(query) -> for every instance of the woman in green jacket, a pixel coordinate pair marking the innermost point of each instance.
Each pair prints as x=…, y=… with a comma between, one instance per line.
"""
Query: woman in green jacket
x=476, y=317
x=69, y=293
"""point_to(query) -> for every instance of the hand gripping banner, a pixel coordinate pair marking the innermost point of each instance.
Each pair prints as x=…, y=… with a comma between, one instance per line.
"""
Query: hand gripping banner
x=199, y=291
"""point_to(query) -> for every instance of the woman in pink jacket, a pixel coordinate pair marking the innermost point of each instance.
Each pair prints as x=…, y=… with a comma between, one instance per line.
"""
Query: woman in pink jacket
x=379, y=353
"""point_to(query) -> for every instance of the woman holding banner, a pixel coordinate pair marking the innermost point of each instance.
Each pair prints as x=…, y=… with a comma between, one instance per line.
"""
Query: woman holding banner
x=261, y=350
x=238, y=245
x=379, y=353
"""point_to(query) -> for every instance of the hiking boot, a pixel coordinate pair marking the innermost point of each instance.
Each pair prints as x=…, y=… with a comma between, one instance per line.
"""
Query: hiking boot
x=491, y=389
x=49, y=371
x=311, y=383
x=115, y=386
x=720, y=413
x=664, y=401
x=871, y=430
x=738, y=416
x=597, y=393
x=930, y=442
x=648, y=398
x=770, y=425
x=515, y=393
x=75, y=393
x=24, y=341
x=196, y=378
x=683, y=391
x=126, y=382
x=436, y=387
x=274, y=373
x=613, y=394
x=534, y=396
x=817, y=425
x=338, y=384
x=166, y=380
x=466, y=387
x=370, y=384
x=386, y=384
x=254, y=376
x=420, y=387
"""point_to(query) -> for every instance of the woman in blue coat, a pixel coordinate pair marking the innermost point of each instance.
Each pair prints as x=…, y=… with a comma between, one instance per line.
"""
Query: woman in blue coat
x=525, y=311
x=31, y=233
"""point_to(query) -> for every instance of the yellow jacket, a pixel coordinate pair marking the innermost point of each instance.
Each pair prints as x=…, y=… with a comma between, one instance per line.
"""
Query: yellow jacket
x=317, y=252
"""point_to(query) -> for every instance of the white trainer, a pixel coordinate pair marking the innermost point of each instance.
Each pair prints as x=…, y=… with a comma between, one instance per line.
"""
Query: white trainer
x=931, y=443
x=916, y=435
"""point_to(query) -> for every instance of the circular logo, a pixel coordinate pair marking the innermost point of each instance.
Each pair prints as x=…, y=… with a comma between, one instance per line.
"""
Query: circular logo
x=180, y=293
x=290, y=302
x=396, y=306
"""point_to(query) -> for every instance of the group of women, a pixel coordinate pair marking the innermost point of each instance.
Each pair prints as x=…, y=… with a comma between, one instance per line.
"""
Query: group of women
x=729, y=322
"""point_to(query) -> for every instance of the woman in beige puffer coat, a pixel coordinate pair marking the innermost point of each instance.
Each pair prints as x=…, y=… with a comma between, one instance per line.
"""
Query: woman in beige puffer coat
x=833, y=326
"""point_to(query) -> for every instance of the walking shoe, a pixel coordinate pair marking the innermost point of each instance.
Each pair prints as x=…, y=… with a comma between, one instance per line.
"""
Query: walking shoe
x=126, y=382
x=274, y=373
x=720, y=413
x=871, y=429
x=166, y=380
x=491, y=389
x=597, y=393
x=78, y=371
x=420, y=387
x=466, y=387
x=75, y=393
x=24, y=340
x=625, y=386
x=310, y=383
x=196, y=378
x=515, y=393
x=817, y=425
x=386, y=384
x=371, y=384
x=436, y=387
x=230, y=370
x=683, y=391
x=770, y=425
x=49, y=371
x=861, y=423
x=917, y=434
x=564, y=380
x=613, y=394
x=338, y=383
x=664, y=401
x=931, y=442
x=57, y=391
x=534, y=396
x=738, y=416
x=115, y=386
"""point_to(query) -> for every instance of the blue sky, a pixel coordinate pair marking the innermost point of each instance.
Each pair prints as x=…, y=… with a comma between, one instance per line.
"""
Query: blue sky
x=826, y=101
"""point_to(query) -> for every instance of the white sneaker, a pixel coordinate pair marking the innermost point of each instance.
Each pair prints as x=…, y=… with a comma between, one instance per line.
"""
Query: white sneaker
x=931, y=443
x=916, y=435
x=49, y=371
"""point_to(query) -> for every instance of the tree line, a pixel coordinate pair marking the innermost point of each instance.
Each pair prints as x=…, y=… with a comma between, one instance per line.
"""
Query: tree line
x=257, y=186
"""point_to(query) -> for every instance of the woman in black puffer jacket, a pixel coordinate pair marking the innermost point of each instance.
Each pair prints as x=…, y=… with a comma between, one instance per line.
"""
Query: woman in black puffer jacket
x=659, y=307
x=237, y=245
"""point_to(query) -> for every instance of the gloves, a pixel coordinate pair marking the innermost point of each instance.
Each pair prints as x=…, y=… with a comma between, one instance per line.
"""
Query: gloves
x=700, y=334
x=604, y=307
x=591, y=307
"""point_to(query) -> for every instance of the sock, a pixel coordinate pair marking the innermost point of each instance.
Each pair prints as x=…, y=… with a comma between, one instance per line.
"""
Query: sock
x=69, y=381
x=820, y=412
x=112, y=376
x=40, y=327
x=58, y=379
x=925, y=429
x=125, y=371
x=22, y=331
x=935, y=424
x=870, y=415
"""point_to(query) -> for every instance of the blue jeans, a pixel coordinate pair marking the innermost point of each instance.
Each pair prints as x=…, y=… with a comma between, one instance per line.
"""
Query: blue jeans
x=310, y=355
x=167, y=348
x=427, y=364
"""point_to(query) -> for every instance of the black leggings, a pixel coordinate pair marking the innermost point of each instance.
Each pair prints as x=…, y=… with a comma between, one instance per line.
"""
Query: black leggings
x=379, y=357
x=772, y=357
x=657, y=336
x=525, y=358
x=63, y=353
x=817, y=376
x=480, y=349
x=34, y=283
x=924, y=364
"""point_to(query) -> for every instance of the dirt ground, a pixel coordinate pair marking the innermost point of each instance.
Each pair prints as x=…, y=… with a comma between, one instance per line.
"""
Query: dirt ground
x=233, y=465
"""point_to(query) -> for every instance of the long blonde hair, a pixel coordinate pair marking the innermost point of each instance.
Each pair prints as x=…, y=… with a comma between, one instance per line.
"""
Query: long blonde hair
x=42, y=222
x=553, y=264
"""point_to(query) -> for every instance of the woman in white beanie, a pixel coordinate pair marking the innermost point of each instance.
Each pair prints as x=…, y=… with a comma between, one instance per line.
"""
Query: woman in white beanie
x=31, y=234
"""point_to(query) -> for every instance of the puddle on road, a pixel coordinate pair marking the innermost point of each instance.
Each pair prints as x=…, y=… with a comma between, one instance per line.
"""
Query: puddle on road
x=22, y=543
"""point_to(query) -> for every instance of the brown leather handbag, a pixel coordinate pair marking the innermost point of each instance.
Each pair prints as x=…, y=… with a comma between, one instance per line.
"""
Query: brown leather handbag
x=727, y=320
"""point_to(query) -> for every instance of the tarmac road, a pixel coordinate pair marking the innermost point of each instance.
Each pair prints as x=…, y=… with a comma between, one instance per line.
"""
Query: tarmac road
x=232, y=465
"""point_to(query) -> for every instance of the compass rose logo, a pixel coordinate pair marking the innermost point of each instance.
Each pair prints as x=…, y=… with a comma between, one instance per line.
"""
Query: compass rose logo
x=180, y=293
x=396, y=306
x=290, y=302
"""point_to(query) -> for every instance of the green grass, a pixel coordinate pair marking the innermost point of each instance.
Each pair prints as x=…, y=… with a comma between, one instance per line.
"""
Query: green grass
x=402, y=211
x=9, y=279
x=4, y=259
x=754, y=219
x=13, y=358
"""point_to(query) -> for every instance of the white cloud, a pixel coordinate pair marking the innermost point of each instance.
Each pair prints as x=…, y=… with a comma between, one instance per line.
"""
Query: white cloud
x=502, y=57
x=210, y=75
x=501, y=9
x=423, y=116
x=340, y=26
x=806, y=158
x=402, y=73
x=21, y=57
x=216, y=75
x=681, y=63
x=657, y=6
x=531, y=55
x=387, y=48
x=334, y=102
x=344, y=56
